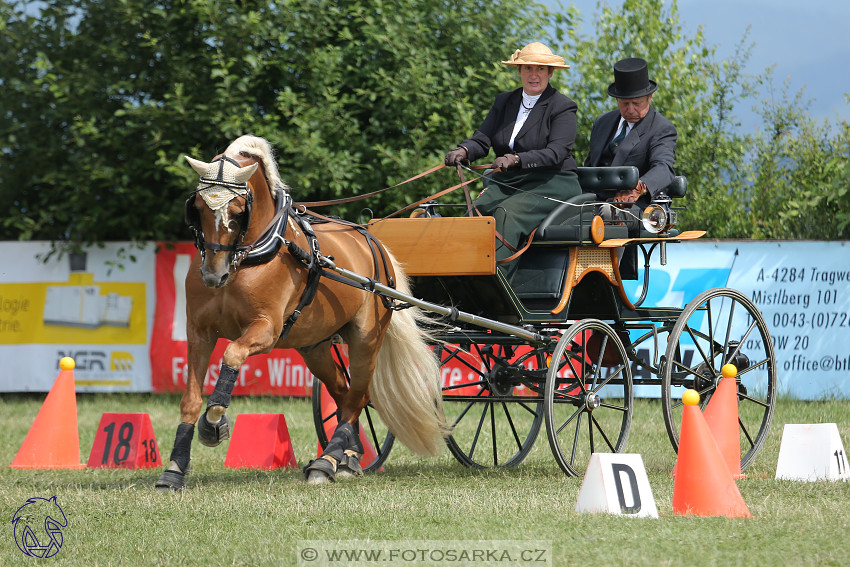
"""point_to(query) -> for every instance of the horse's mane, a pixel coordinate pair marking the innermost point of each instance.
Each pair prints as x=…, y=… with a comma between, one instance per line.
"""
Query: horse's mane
x=260, y=149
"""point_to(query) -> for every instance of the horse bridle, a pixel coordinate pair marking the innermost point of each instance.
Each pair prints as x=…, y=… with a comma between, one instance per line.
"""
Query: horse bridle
x=193, y=219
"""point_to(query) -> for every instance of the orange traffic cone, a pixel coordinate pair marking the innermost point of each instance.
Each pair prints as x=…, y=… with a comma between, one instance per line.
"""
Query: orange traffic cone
x=721, y=415
x=328, y=408
x=53, y=441
x=703, y=486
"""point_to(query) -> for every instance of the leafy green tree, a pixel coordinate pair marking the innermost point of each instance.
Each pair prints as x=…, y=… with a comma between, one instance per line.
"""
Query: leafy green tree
x=789, y=179
x=798, y=177
x=102, y=99
x=695, y=92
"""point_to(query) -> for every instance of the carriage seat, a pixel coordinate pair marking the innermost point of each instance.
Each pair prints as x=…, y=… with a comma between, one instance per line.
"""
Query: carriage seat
x=541, y=270
x=570, y=221
x=540, y=274
x=678, y=187
x=566, y=224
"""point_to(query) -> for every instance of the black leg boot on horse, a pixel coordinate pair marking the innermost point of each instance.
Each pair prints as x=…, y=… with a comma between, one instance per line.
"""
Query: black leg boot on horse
x=174, y=477
x=214, y=425
x=211, y=431
x=340, y=459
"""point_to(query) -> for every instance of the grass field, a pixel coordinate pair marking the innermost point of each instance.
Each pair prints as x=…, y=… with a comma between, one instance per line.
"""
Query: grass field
x=249, y=517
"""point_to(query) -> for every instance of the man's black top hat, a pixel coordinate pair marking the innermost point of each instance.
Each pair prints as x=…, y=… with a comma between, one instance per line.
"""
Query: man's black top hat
x=631, y=79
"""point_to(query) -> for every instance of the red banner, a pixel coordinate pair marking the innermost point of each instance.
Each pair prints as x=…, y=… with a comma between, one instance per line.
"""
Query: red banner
x=281, y=372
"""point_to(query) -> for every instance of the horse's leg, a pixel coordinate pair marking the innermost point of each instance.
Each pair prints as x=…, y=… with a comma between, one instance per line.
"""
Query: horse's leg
x=174, y=477
x=214, y=426
x=341, y=457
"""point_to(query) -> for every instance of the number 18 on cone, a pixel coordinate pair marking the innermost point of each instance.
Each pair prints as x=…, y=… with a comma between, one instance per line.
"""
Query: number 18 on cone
x=126, y=441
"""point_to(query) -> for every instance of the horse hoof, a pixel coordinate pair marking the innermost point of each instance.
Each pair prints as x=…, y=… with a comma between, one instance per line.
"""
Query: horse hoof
x=344, y=474
x=318, y=477
x=349, y=468
x=212, y=435
x=319, y=471
x=171, y=481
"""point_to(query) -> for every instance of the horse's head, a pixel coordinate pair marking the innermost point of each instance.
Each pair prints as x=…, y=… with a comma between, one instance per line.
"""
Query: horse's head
x=220, y=218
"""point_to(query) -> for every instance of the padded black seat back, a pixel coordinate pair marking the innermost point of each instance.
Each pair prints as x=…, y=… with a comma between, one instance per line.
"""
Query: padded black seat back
x=591, y=179
x=677, y=188
x=618, y=178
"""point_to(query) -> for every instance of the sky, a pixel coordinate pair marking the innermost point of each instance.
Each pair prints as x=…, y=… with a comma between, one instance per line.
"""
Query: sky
x=808, y=42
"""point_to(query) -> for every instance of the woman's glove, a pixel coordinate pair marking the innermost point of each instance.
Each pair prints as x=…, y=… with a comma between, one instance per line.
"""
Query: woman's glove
x=455, y=157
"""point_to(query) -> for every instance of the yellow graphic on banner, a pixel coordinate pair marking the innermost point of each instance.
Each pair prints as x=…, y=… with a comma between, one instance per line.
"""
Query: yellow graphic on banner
x=78, y=311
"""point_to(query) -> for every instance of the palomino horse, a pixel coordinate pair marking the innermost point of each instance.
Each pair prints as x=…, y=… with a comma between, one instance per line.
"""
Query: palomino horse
x=280, y=298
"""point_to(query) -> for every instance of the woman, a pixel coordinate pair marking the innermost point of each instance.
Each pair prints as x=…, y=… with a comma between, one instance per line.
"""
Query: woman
x=531, y=130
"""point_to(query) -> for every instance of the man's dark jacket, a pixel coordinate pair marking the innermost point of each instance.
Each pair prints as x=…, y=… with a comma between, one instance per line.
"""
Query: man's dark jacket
x=650, y=146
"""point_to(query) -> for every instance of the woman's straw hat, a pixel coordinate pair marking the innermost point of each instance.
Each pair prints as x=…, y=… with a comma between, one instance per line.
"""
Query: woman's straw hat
x=536, y=54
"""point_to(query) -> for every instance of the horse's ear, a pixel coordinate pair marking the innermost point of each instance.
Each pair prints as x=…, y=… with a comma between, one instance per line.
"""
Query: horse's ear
x=199, y=166
x=245, y=173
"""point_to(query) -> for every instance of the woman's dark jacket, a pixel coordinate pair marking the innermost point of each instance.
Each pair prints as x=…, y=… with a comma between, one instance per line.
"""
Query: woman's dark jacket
x=546, y=139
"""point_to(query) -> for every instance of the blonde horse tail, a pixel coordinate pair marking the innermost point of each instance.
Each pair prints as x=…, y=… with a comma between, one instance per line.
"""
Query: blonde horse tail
x=406, y=385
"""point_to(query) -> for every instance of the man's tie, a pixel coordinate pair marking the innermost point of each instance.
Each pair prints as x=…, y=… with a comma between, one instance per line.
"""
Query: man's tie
x=619, y=137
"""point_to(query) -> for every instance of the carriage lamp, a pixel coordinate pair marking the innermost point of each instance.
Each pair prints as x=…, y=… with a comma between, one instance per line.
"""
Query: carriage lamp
x=659, y=217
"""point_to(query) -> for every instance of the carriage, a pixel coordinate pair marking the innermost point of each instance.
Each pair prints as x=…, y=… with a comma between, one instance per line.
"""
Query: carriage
x=562, y=343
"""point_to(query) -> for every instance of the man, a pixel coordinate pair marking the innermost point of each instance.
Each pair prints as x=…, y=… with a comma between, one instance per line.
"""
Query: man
x=634, y=134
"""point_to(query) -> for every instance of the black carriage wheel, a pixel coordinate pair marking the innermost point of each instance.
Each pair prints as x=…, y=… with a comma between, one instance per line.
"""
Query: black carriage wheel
x=494, y=423
x=370, y=422
x=588, y=399
x=721, y=326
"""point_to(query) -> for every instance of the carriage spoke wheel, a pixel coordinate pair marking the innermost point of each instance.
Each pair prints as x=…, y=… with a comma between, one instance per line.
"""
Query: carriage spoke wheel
x=721, y=326
x=494, y=419
x=372, y=426
x=588, y=398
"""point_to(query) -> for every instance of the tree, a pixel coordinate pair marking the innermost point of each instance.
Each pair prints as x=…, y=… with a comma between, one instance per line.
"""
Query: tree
x=790, y=179
x=696, y=93
x=102, y=99
x=798, y=177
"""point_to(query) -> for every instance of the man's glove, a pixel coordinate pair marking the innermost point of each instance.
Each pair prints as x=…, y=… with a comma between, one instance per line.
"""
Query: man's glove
x=631, y=195
x=455, y=157
x=504, y=162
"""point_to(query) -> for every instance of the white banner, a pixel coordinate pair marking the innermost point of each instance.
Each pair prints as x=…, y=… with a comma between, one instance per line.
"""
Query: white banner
x=95, y=308
x=801, y=289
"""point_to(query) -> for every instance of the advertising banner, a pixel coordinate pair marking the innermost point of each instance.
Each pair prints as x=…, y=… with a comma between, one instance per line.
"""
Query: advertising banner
x=124, y=321
x=801, y=289
x=96, y=308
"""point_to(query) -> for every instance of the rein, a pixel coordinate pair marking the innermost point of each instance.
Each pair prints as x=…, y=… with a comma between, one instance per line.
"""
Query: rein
x=372, y=194
x=470, y=209
x=437, y=195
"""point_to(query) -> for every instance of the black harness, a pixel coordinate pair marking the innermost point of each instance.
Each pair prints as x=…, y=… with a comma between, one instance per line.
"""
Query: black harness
x=268, y=244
